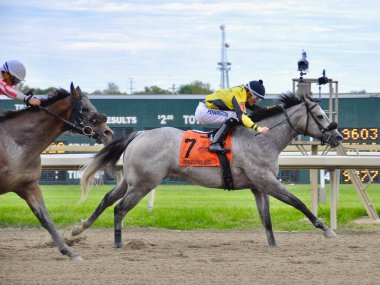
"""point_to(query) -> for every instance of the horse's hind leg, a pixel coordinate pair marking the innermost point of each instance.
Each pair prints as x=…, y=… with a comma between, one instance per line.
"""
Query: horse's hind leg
x=262, y=202
x=33, y=196
x=272, y=187
x=109, y=199
x=129, y=201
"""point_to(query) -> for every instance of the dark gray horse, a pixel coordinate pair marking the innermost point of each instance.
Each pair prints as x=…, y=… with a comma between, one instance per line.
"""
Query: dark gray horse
x=150, y=156
x=26, y=133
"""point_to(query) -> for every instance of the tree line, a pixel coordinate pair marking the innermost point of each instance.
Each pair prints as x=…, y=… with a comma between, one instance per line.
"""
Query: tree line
x=195, y=87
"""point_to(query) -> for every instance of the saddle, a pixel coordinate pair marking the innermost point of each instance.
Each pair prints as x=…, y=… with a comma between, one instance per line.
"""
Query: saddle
x=194, y=152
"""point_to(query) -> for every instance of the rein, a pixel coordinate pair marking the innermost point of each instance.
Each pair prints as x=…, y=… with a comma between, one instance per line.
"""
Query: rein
x=324, y=138
x=287, y=118
x=86, y=130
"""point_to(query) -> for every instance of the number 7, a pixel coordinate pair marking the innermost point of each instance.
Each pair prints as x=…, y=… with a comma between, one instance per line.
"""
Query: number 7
x=192, y=143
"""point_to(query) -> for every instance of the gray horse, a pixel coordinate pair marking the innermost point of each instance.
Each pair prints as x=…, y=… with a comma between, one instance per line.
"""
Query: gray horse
x=150, y=156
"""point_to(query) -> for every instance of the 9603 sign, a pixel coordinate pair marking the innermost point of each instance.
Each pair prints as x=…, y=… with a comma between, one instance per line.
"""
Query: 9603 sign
x=360, y=135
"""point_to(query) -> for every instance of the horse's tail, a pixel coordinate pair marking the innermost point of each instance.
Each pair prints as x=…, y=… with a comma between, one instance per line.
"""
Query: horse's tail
x=107, y=157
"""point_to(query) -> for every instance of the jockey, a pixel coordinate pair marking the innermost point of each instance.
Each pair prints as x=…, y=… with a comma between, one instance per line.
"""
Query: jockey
x=227, y=107
x=12, y=73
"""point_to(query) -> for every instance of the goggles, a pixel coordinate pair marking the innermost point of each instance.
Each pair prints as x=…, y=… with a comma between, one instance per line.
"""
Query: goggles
x=256, y=98
x=253, y=93
x=15, y=80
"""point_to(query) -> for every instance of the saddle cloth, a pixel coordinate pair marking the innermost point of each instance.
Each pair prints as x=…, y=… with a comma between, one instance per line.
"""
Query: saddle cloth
x=194, y=150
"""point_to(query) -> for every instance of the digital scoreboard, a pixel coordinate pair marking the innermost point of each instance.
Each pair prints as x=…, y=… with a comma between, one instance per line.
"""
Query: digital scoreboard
x=361, y=136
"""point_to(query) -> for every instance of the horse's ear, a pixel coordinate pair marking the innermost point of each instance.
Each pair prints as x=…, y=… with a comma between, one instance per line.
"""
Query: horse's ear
x=309, y=97
x=79, y=91
x=74, y=91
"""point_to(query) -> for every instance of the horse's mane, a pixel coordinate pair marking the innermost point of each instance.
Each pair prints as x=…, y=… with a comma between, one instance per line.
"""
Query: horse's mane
x=52, y=98
x=286, y=100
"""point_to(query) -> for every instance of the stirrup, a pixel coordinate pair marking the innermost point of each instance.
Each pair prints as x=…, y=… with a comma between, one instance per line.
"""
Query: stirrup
x=216, y=147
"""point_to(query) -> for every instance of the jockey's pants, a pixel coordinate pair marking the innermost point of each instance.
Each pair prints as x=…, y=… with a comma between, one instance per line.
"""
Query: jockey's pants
x=205, y=115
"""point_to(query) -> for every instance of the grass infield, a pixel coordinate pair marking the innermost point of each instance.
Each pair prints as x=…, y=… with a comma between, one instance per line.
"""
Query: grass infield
x=188, y=207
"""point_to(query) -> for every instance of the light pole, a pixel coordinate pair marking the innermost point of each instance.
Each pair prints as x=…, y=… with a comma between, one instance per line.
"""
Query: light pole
x=224, y=65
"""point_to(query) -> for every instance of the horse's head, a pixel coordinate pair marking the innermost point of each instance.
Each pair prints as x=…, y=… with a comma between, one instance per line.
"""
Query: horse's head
x=85, y=115
x=318, y=125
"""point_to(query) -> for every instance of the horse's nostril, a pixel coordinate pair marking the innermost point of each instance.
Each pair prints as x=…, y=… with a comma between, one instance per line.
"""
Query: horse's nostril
x=108, y=133
x=339, y=138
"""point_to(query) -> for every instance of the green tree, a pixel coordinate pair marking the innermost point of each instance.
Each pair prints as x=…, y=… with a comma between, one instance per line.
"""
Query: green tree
x=97, y=92
x=152, y=90
x=25, y=88
x=195, y=87
x=112, y=89
x=358, y=92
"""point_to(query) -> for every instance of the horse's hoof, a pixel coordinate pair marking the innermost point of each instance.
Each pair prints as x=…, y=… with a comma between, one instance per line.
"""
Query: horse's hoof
x=77, y=258
x=118, y=245
x=77, y=230
x=329, y=234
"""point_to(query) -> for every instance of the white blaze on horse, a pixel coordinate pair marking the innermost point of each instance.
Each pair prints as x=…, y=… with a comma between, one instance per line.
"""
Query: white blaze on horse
x=150, y=156
x=26, y=133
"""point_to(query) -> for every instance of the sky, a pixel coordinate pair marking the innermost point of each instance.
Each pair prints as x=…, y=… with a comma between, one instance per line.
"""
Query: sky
x=164, y=43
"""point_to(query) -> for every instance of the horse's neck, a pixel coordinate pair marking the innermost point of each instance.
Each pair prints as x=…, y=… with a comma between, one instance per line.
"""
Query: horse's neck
x=41, y=128
x=52, y=127
x=281, y=132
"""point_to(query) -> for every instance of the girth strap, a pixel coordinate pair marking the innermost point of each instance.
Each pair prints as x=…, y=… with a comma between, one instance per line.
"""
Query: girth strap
x=228, y=182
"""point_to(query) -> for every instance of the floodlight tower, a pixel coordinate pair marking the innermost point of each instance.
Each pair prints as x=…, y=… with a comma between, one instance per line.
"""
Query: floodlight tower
x=224, y=65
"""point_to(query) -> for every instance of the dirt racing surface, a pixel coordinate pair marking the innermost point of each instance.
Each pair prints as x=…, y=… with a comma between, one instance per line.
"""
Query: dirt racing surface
x=157, y=256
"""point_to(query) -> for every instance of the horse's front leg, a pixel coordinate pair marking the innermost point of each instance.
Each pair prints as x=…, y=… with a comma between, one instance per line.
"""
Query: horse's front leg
x=271, y=186
x=109, y=199
x=33, y=196
x=262, y=202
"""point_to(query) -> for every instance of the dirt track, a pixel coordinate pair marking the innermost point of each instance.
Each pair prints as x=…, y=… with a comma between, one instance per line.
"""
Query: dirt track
x=154, y=256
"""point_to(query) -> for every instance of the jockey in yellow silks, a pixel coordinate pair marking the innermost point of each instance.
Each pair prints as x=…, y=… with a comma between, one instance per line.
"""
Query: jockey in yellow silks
x=226, y=106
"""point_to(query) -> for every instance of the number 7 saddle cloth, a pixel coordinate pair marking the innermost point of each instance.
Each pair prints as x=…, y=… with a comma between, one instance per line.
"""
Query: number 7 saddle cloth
x=194, y=150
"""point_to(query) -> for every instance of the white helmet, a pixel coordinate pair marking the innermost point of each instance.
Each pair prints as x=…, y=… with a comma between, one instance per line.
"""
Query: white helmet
x=15, y=68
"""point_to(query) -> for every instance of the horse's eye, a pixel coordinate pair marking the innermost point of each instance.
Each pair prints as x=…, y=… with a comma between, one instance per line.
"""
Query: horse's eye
x=85, y=109
x=320, y=117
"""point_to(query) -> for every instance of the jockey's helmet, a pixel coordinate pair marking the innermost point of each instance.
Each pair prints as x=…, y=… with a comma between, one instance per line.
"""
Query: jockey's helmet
x=256, y=88
x=15, y=68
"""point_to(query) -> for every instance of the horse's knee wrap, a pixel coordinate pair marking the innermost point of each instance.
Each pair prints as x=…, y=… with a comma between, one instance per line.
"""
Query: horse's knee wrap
x=318, y=224
x=118, y=242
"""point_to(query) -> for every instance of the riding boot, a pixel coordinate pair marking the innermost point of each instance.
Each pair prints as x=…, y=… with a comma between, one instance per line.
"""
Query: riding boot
x=218, y=139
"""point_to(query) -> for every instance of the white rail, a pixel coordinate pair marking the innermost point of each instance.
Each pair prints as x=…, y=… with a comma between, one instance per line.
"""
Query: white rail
x=75, y=161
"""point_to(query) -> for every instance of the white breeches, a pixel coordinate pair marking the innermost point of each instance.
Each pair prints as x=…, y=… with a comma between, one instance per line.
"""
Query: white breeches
x=205, y=115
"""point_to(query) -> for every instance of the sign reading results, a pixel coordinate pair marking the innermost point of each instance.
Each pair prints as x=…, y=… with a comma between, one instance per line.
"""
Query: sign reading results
x=122, y=120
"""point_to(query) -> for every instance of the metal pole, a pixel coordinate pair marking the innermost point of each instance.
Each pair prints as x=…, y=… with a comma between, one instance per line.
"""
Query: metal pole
x=224, y=65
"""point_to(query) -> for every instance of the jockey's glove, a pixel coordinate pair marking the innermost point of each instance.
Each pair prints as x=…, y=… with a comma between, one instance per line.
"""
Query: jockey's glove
x=28, y=96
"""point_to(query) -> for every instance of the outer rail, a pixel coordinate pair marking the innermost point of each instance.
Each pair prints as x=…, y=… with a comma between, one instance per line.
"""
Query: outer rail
x=77, y=160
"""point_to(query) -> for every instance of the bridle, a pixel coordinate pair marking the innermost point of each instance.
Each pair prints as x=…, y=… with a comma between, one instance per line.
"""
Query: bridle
x=324, y=137
x=77, y=121
x=332, y=126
